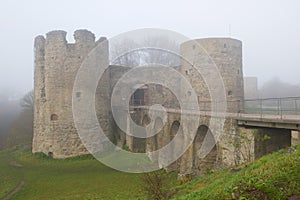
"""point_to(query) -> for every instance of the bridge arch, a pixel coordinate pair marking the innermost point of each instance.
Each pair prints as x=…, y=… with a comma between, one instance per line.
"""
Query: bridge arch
x=159, y=136
x=146, y=120
x=201, y=165
x=153, y=143
x=139, y=144
x=176, y=129
x=158, y=123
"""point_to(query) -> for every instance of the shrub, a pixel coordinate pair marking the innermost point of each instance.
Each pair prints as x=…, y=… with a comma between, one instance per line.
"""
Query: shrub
x=156, y=185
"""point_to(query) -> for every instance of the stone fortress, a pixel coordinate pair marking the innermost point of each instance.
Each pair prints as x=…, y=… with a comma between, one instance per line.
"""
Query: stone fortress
x=57, y=63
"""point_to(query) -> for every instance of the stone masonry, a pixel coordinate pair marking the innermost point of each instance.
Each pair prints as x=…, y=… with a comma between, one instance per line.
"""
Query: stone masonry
x=57, y=63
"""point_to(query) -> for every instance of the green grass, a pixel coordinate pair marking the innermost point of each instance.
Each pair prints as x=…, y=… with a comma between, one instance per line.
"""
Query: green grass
x=9, y=176
x=75, y=178
x=275, y=176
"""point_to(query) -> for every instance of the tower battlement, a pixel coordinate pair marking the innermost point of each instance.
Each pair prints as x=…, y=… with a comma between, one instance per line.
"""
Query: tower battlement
x=84, y=36
x=56, y=66
x=56, y=36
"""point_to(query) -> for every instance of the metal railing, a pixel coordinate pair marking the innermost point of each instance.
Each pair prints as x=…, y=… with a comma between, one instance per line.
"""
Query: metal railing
x=279, y=107
x=282, y=107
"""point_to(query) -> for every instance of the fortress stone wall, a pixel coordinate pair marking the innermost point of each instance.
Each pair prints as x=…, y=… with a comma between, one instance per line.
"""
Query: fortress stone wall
x=56, y=65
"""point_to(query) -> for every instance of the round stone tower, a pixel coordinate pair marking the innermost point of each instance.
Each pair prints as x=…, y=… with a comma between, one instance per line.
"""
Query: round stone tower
x=223, y=54
x=56, y=66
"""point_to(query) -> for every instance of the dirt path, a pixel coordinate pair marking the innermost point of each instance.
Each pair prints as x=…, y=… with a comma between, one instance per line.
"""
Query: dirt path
x=14, y=191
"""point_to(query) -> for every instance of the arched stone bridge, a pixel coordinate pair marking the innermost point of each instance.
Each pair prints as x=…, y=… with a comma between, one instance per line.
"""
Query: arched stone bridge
x=230, y=138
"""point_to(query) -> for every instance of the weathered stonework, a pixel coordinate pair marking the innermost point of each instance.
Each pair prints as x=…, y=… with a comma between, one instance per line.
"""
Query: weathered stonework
x=295, y=138
x=56, y=65
x=224, y=54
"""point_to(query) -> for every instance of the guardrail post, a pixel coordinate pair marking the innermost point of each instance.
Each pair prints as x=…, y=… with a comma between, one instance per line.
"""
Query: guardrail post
x=260, y=106
x=296, y=109
x=280, y=103
x=278, y=107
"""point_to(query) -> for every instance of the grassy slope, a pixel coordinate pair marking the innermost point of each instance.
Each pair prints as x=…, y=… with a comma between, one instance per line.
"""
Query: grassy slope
x=275, y=176
x=79, y=178
x=9, y=176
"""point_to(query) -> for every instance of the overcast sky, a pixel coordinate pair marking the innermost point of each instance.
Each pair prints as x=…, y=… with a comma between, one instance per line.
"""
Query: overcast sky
x=269, y=29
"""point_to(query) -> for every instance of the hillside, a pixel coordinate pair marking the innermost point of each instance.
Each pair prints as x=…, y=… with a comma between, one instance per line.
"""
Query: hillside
x=275, y=176
x=76, y=178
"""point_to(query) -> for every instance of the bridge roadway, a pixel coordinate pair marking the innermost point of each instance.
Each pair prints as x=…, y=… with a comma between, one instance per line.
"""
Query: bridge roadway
x=283, y=121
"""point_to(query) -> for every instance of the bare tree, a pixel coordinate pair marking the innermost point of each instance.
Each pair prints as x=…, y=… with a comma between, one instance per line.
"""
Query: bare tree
x=124, y=53
x=161, y=50
x=152, y=50
x=156, y=185
x=27, y=102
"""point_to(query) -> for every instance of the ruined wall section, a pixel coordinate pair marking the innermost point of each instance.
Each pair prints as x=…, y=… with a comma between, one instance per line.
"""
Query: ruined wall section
x=56, y=65
x=162, y=95
x=39, y=91
x=103, y=103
